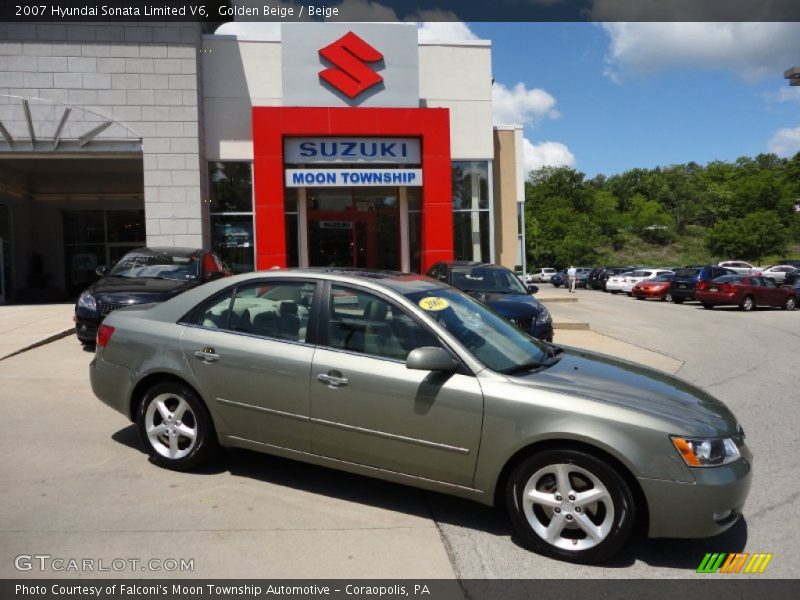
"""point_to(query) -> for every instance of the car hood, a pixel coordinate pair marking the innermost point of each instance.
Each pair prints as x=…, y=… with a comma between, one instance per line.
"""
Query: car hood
x=684, y=407
x=126, y=290
x=511, y=306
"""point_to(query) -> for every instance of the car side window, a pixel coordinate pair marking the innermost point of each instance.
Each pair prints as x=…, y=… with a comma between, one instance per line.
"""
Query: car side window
x=214, y=314
x=770, y=283
x=273, y=309
x=365, y=323
x=756, y=281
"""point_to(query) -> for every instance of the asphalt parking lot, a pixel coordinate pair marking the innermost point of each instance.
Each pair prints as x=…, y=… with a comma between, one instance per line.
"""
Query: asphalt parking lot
x=74, y=483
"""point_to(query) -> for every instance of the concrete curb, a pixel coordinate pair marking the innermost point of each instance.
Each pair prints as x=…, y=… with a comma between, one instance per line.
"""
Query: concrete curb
x=573, y=325
x=42, y=342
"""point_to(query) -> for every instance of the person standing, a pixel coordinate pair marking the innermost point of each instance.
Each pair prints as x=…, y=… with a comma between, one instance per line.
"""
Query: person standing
x=572, y=274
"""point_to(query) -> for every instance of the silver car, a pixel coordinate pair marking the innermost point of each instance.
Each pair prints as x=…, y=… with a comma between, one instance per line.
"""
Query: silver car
x=404, y=378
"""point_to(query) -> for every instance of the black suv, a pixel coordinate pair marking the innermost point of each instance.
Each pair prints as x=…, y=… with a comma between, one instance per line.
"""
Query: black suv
x=501, y=290
x=599, y=276
x=685, y=280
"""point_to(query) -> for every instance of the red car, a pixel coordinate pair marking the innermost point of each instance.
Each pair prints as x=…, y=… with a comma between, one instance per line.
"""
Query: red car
x=746, y=292
x=654, y=288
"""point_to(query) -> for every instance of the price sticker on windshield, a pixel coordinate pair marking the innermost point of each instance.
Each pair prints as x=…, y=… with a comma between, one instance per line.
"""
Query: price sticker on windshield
x=432, y=303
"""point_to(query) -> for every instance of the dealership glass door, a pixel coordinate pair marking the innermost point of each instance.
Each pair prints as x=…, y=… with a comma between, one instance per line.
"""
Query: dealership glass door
x=354, y=227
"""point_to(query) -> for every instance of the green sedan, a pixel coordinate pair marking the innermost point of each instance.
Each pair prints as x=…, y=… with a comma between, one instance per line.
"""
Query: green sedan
x=407, y=379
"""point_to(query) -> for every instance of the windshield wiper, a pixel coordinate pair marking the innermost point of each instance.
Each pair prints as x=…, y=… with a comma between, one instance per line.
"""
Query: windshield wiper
x=523, y=367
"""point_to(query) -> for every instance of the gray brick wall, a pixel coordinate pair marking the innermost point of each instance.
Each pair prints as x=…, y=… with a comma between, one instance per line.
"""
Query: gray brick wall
x=142, y=76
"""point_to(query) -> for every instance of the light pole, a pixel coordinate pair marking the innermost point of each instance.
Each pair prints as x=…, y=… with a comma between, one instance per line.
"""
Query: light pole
x=793, y=75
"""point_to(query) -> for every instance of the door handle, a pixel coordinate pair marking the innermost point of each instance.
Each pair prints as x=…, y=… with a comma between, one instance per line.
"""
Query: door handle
x=207, y=355
x=332, y=379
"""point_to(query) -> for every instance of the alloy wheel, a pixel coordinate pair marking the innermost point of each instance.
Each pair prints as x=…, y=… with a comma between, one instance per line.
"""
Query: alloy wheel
x=568, y=507
x=171, y=426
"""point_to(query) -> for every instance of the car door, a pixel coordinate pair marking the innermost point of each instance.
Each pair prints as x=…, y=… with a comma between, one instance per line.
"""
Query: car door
x=250, y=351
x=368, y=408
x=773, y=295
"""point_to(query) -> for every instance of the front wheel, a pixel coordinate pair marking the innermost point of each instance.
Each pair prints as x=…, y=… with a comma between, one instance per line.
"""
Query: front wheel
x=747, y=304
x=790, y=304
x=175, y=427
x=570, y=505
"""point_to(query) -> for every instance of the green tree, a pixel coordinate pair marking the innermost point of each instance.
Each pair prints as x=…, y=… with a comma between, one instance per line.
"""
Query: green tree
x=751, y=237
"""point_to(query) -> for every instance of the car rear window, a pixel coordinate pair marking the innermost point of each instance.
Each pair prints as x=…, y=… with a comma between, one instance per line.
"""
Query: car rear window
x=728, y=279
x=686, y=273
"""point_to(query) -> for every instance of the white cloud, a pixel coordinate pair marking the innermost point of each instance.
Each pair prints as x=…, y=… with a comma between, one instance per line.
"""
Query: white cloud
x=751, y=50
x=521, y=106
x=442, y=31
x=786, y=142
x=785, y=94
x=546, y=154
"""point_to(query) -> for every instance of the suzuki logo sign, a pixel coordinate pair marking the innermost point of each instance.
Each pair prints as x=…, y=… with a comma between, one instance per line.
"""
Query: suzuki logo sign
x=350, y=73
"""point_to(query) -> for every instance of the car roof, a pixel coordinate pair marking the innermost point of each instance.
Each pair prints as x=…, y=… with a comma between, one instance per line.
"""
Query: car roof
x=173, y=250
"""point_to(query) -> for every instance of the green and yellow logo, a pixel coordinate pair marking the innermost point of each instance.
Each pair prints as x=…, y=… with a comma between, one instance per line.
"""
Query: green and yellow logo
x=734, y=562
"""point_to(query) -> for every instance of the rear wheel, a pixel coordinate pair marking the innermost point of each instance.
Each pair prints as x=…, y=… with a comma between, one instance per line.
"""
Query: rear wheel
x=707, y=306
x=790, y=304
x=570, y=505
x=747, y=304
x=667, y=297
x=175, y=427
x=678, y=300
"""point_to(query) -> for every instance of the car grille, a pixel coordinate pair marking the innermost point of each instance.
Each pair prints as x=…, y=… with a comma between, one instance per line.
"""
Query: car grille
x=107, y=307
x=525, y=324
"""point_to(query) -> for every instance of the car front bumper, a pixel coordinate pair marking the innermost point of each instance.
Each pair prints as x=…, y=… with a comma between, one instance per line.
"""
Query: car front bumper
x=86, y=329
x=707, y=507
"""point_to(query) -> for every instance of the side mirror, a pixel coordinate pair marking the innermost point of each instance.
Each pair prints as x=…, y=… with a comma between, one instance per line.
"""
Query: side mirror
x=101, y=270
x=532, y=289
x=213, y=275
x=431, y=358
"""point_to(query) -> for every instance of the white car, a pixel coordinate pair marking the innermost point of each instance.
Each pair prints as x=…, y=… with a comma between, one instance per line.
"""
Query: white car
x=542, y=275
x=777, y=272
x=739, y=266
x=625, y=281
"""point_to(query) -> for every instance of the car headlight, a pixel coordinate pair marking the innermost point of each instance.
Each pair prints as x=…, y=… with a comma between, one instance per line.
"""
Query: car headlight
x=86, y=300
x=706, y=452
x=544, y=316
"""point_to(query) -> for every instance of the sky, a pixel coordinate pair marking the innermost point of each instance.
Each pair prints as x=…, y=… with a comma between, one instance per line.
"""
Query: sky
x=608, y=97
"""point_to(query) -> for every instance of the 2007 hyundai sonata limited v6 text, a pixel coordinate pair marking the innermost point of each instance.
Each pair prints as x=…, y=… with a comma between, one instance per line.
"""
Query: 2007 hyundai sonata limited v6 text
x=405, y=378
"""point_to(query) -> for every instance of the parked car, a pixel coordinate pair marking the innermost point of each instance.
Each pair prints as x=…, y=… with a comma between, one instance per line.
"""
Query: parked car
x=582, y=277
x=626, y=281
x=616, y=282
x=658, y=287
x=559, y=279
x=746, y=292
x=407, y=379
x=598, y=277
x=791, y=278
x=795, y=262
x=143, y=276
x=497, y=287
x=739, y=266
x=686, y=280
x=777, y=272
x=542, y=275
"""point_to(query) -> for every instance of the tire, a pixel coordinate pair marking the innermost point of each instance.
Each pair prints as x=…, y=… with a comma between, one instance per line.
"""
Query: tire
x=667, y=297
x=158, y=411
x=612, y=516
x=747, y=304
x=640, y=297
x=678, y=300
x=790, y=304
x=708, y=306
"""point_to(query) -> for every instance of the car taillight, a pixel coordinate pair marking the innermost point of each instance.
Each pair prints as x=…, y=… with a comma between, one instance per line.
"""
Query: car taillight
x=701, y=285
x=104, y=333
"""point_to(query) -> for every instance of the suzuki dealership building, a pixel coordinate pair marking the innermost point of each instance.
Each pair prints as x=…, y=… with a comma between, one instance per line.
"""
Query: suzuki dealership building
x=329, y=145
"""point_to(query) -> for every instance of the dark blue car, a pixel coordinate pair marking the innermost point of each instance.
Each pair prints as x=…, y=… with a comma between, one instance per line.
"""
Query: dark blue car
x=501, y=290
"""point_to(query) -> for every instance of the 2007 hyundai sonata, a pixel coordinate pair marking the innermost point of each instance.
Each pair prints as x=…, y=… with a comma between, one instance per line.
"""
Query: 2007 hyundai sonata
x=407, y=379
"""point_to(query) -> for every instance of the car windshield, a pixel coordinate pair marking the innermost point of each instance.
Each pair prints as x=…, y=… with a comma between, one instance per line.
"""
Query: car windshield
x=156, y=265
x=487, y=280
x=640, y=274
x=664, y=277
x=493, y=340
x=686, y=273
